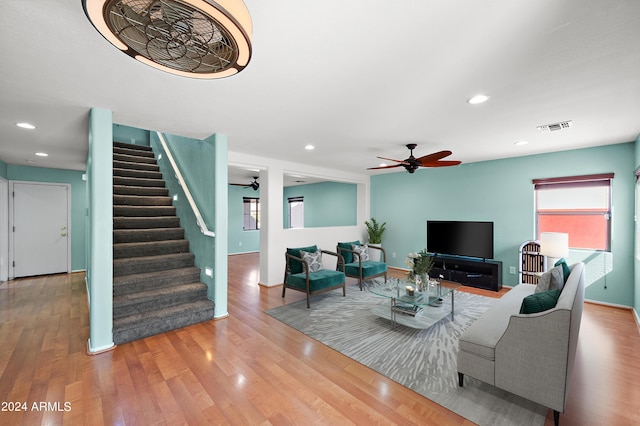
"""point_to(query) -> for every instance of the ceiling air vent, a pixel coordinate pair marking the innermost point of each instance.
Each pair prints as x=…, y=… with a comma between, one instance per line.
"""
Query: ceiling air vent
x=554, y=126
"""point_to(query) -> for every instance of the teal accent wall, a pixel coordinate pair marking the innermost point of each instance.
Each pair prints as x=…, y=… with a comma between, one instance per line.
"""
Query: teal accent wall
x=78, y=203
x=241, y=241
x=501, y=191
x=3, y=169
x=132, y=135
x=325, y=203
x=100, y=230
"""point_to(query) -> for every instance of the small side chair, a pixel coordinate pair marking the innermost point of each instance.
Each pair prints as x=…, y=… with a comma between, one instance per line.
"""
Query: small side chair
x=357, y=263
x=304, y=271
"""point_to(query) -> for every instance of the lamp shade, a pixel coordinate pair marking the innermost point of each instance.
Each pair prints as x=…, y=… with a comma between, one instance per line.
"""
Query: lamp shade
x=554, y=244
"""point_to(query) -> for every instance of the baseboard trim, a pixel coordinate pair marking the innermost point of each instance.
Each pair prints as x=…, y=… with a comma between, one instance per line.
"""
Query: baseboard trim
x=221, y=317
x=611, y=305
x=270, y=286
x=637, y=318
x=100, y=350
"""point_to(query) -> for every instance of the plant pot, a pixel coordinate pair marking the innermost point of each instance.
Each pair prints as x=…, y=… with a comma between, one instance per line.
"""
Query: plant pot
x=374, y=254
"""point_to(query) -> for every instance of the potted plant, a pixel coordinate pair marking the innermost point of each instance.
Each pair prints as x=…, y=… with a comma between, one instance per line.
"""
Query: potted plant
x=375, y=231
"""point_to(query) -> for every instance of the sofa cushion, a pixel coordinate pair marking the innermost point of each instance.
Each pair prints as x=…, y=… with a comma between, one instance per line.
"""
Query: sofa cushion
x=566, y=271
x=360, y=252
x=482, y=336
x=553, y=279
x=314, y=260
x=348, y=256
x=369, y=268
x=320, y=280
x=295, y=265
x=540, y=302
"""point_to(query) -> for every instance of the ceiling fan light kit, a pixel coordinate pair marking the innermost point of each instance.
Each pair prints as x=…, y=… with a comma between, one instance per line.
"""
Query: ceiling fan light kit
x=192, y=38
x=412, y=164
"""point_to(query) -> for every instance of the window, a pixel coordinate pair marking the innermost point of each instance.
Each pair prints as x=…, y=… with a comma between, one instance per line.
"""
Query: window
x=296, y=212
x=250, y=214
x=577, y=205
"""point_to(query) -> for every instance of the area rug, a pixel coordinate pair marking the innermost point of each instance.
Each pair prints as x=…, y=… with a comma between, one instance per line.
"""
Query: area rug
x=422, y=360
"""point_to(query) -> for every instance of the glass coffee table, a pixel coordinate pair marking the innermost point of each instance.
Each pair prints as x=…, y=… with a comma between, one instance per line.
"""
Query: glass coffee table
x=417, y=310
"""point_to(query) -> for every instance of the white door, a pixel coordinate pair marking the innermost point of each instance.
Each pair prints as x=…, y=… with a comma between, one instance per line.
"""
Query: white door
x=40, y=229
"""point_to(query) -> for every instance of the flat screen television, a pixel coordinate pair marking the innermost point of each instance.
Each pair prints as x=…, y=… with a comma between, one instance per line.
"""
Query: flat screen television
x=471, y=239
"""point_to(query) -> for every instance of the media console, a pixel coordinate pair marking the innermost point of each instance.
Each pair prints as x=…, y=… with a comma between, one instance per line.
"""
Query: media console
x=486, y=274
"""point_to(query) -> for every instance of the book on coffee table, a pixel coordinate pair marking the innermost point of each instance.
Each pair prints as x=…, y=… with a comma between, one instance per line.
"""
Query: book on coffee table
x=407, y=309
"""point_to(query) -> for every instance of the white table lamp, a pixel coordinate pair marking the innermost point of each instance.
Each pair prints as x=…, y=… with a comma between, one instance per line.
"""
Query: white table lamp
x=554, y=245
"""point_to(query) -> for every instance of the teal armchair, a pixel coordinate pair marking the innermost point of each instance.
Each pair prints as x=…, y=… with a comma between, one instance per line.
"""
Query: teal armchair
x=304, y=272
x=356, y=267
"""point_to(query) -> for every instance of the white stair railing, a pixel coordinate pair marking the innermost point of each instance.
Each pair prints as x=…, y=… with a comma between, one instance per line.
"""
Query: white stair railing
x=185, y=188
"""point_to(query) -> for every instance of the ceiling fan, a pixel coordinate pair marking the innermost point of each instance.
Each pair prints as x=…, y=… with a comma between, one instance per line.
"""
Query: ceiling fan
x=412, y=163
x=254, y=184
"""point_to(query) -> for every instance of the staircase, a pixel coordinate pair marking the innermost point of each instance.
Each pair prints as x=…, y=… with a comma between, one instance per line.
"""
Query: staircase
x=156, y=287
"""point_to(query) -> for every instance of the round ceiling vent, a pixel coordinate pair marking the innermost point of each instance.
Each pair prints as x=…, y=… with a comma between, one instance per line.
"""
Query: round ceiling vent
x=194, y=38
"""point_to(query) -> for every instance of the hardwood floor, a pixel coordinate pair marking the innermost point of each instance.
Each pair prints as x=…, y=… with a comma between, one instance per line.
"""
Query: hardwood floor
x=249, y=368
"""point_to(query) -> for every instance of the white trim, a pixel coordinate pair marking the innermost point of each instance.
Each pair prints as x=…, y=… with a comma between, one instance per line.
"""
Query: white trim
x=98, y=349
x=185, y=188
x=613, y=305
x=11, y=220
x=4, y=229
x=635, y=314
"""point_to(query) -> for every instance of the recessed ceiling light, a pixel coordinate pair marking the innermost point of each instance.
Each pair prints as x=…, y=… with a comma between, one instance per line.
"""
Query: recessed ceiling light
x=42, y=154
x=26, y=126
x=478, y=99
x=521, y=143
x=309, y=147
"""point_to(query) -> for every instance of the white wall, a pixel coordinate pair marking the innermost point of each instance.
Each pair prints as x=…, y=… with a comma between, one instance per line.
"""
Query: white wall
x=274, y=238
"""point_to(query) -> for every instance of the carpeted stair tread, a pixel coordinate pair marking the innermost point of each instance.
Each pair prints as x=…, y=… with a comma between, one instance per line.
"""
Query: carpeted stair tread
x=141, y=264
x=149, y=248
x=141, y=200
x=158, y=298
x=146, y=235
x=152, y=222
x=140, y=150
x=143, y=325
x=142, y=211
x=140, y=190
x=144, y=174
x=150, y=167
x=126, y=284
x=128, y=157
x=137, y=181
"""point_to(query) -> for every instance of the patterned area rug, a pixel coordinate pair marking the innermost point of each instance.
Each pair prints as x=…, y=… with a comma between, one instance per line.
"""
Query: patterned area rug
x=422, y=360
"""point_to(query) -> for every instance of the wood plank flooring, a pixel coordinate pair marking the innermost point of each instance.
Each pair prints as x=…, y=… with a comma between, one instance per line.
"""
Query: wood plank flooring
x=249, y=369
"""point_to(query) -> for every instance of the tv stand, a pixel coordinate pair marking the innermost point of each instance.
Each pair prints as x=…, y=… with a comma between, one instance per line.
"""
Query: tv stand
x=479, y=273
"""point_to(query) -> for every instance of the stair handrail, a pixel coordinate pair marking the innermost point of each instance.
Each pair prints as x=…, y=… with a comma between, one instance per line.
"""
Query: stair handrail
x=203, y=226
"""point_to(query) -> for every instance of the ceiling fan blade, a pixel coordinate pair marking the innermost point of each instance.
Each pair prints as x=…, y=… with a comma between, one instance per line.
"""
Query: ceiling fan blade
x=240, y=184
x=385, y=167
x=433, y=157
x=441, y=163
x=391, y=159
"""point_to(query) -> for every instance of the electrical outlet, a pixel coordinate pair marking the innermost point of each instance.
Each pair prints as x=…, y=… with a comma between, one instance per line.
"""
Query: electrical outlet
x=208, y=272
x=393, y=254
x=512, y=270
x=240, y=243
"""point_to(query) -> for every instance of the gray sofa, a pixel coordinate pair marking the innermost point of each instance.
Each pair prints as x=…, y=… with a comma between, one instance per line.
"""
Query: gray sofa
x=530, y=355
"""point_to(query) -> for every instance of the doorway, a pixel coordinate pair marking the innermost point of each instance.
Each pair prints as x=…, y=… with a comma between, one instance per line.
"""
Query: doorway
x=40, y=228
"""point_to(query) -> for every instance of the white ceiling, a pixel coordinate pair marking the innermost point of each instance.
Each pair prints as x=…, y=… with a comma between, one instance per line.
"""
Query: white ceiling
x=357, y=79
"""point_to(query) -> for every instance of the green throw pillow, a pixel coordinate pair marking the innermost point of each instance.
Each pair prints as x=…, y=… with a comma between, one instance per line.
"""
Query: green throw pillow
x=565, y=268
x=539, y=302
x=348, y=256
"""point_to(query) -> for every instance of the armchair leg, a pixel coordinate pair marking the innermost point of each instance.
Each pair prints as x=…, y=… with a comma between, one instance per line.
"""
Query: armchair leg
x=308, y=300
x=556, y=417
x=460, y=379
x=284, y=287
